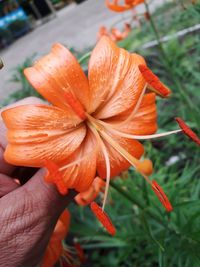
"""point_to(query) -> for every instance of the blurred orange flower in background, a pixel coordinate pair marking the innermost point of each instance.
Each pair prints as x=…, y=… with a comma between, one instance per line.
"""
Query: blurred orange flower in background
x=115, y=5
x=55, y=248
x=57, y=251
x=115, y=34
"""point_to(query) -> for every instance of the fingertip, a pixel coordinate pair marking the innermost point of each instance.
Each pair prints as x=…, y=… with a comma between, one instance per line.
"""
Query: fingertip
x=7, y=185
x=5, y=168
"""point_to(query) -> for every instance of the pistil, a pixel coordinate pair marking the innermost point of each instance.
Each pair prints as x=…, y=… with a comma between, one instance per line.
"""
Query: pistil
x=99, y=131
x=133, y=161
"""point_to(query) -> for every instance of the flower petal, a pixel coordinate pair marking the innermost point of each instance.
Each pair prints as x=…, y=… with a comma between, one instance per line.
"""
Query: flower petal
x=80, y=175
x=52, y=254
x=56, y=73
x=38, y=132
x=114, y=78
x=55, y=249
x=117, y=162
x=144, y=121
x=62, y=226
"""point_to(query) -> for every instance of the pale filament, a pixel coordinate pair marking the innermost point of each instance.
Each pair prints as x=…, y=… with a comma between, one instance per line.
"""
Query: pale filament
x=94, y=129
x=139, y=137
x=60, y=262
x=133, y=136
x=132, y=160
x=98, y=127
x=67, y=255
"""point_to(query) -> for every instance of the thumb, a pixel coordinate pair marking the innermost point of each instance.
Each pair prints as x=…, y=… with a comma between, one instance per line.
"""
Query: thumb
x=46, y=194
x=28, y=217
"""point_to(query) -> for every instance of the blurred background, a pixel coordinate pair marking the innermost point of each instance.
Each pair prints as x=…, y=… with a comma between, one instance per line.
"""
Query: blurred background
x=167, y=34
x=31, y=27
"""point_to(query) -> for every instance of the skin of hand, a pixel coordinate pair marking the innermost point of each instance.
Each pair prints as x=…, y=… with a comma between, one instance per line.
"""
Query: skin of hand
x=28, y=213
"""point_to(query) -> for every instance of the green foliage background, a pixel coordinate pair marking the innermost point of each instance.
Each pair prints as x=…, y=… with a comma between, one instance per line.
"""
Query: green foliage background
x=146, y=235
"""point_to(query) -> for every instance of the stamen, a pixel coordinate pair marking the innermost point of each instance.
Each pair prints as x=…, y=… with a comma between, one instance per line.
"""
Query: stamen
x=133, y=161
x=103, y=218
x=161, y=196
x=75, y=105
x=138, y=165
x=154, y=82
x=61, y=263
x=66, y=259
x=80, y=252
x=54, y=176
x=187, y=131
x=145, y=167
x=137, y=137
x=107, y=161
x=67, y=254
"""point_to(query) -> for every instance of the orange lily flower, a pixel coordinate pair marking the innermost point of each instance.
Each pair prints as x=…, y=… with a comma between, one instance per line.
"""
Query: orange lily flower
x=103, y=31
x=94, y=124
x=57, y=252
x=115, y=34
x=55, y=248
x=128, y=4
x=85, y=198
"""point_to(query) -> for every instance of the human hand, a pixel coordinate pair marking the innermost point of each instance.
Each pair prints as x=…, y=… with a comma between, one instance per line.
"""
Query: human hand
x=28, y=212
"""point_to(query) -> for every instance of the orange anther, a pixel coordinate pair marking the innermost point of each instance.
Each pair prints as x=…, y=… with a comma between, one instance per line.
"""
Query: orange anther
x=103, y=218
x=187, y=131
x=161, y=196
x=154, y=81
x=55, y=176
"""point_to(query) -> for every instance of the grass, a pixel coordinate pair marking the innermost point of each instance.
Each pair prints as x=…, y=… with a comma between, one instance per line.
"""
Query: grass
x=173, y=240
x=146, y=235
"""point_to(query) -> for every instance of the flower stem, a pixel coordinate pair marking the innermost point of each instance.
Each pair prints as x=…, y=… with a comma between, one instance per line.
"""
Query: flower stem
x=132, y=199
x=84, y=57
x=156, y=218
x=166, y=61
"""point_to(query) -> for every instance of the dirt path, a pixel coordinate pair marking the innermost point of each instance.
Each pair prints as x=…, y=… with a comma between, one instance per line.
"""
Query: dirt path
x=75, y=26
